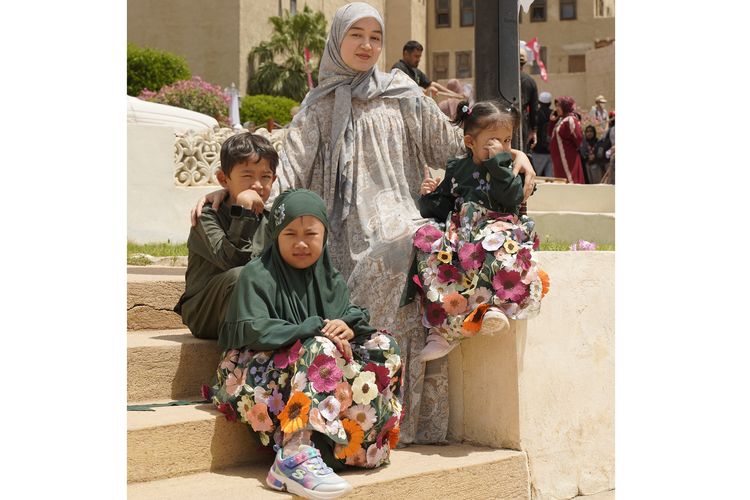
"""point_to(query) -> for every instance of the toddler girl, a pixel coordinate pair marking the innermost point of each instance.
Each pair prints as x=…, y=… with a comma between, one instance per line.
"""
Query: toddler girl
x=475, y=264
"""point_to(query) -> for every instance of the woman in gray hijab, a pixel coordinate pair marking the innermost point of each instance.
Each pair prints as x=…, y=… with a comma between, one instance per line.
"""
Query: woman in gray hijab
x=362, y=140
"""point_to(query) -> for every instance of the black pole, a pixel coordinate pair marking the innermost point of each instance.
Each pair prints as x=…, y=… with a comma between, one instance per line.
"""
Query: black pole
x=496, y=48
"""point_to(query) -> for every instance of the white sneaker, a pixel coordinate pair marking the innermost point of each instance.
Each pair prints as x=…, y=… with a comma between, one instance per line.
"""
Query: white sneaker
x=436, y=347
x=305, y=474
x=494, y=322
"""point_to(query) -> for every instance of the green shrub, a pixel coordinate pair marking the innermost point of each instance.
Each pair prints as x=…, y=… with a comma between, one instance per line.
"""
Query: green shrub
x=260, y=108
x=195, y=95
x=152, y=69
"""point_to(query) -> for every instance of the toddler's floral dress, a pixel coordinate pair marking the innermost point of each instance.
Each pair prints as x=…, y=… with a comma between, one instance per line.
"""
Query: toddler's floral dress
x=478, y=252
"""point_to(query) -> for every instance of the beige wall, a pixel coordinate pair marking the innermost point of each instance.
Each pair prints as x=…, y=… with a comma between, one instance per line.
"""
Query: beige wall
x=404, y=21
x=207, y=38
x=452, y=39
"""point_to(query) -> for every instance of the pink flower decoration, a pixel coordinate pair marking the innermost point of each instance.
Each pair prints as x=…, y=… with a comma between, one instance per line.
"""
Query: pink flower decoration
x=230, y=360
x=235, y=380
x=383, y=434
x=229, y=412
x=276, y=402
x=448, y=273
x=435, y=314
x=583, y=245
x=344, y=394
x=259, y=419
x=381, y=375
x=523, y=259
x=471, y=256
x=287, y=356
x=508, y=286
x=324, y=374
x=455, y=304
x=206, y=392
x=426, y=236
x=536, y=242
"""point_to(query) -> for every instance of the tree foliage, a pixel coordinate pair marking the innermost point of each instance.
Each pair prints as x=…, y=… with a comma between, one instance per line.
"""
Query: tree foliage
x=280, y=61
x=152, y=69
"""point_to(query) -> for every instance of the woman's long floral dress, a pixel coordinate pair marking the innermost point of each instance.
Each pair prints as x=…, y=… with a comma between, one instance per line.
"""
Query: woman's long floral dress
x=309, y=386
x=477, y=258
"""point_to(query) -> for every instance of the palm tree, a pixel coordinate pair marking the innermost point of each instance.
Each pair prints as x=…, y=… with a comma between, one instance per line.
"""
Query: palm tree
x=292, y=34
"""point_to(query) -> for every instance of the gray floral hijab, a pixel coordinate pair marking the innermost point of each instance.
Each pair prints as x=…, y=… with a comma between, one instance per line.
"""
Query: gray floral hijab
x=347, y=84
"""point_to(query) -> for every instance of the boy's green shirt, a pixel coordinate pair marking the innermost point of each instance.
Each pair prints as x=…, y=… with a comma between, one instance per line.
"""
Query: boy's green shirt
x=220, y=242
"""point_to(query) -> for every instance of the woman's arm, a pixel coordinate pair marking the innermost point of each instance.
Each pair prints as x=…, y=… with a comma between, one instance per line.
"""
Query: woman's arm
x=522, y=164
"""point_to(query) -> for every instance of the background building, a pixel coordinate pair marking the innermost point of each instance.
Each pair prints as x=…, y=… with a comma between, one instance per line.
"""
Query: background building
x=576, y=37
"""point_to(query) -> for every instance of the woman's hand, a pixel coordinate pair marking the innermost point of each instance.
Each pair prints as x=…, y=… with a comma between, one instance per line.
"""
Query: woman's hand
x=214, y=198
x=340, y=334
x=521, y=163
x=428, y=184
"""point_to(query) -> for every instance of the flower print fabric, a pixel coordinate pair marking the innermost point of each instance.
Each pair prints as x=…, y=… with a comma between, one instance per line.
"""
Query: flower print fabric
x=310, y=386
x=484, y=255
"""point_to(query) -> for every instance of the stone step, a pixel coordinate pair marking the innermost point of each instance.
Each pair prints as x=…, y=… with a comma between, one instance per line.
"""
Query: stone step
x=178, y=440
x=417, y=472
x=573, y=226
x=594, y=198
x=169, y=364
x=152, y=293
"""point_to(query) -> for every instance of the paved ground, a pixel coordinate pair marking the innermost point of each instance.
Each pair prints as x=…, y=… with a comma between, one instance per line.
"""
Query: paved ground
x=605, y=495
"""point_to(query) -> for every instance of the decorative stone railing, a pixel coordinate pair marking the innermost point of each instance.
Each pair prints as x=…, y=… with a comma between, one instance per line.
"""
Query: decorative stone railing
x=196, y=154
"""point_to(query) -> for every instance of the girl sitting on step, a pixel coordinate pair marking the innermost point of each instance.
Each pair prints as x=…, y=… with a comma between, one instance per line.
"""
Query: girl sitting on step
x=301, y=364
x=475, y=261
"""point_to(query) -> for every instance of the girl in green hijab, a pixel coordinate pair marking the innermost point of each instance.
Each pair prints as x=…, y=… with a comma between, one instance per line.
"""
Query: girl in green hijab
x=301, y=364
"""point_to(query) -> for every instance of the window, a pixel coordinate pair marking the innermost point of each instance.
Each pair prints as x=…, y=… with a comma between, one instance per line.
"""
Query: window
x=535, y=69
x=604, y=8
x=567, y=10
x=440, y=65
x=463, y=64
x=538, y=11
x=467, y=12
x=577, y=64
x=292, y=6
x=442, y=13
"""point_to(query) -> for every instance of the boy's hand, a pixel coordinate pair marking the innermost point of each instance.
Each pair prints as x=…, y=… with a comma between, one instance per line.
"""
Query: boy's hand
x=428, y=184
x=251, y=200
x=214, y=198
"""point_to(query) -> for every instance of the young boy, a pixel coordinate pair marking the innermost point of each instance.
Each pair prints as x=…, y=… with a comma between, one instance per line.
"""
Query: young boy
x=224, y=241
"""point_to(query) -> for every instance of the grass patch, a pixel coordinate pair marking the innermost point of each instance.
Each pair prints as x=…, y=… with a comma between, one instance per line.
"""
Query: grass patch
x=158, y=249
x=561, y=246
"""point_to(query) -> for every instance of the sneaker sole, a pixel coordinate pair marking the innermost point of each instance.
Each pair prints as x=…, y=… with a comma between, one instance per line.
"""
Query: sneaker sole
x=285, y=484
x=494, y=326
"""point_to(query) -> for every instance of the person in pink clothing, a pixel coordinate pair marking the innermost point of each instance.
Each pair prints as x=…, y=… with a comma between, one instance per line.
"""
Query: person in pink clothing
x=565, y=140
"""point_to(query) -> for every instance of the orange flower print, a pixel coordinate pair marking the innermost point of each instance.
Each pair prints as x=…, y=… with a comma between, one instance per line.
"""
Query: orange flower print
x=293, y=417
x=354, y=435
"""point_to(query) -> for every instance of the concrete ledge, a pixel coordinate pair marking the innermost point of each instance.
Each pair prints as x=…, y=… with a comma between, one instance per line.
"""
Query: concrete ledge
x=169, y=364
x=151, y=298
x=547, y=386
x=179, y=440
x=416, y=472
x=550, y=197
x=573, y=226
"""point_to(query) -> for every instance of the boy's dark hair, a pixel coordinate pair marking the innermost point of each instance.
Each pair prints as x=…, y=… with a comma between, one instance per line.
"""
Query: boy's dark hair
x=484, y=114
x=240, y=147
x=413, y=45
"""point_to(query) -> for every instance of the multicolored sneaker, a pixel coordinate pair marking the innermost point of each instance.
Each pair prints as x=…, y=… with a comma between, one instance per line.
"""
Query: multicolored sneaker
x=305, y=474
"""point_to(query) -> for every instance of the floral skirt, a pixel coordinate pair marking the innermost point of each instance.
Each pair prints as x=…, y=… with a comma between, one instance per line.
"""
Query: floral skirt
x=478, y=258
x=355, y=407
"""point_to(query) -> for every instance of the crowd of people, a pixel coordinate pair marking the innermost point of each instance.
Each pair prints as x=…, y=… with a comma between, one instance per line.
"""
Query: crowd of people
x=335, y=309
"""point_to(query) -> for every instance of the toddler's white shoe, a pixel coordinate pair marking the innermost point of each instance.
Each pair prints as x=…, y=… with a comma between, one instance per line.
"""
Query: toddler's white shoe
x=436, y=347
x=494, y=322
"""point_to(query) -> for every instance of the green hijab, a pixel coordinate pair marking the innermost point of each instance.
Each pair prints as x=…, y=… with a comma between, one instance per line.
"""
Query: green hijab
x=274, y=304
